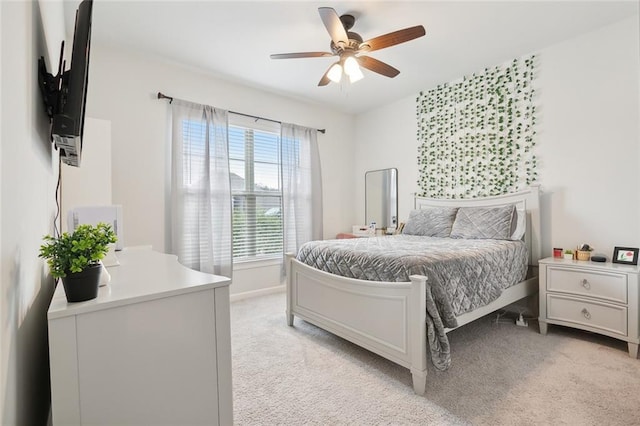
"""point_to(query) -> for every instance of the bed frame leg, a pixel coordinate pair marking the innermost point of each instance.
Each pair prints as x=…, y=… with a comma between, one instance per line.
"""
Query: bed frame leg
x=419, y=381
x=289, y=281
x=418, y=332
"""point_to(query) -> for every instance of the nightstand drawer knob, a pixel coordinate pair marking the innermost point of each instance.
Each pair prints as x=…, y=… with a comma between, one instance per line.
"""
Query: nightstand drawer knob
x=586, y=313
x=586, y=284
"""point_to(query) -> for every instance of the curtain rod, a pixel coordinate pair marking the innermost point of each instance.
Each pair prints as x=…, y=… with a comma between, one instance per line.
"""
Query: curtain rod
x=163, y=96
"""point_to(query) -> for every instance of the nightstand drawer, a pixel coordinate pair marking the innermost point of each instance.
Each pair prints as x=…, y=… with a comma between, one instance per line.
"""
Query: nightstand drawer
x=603, y=285
x=604, y=316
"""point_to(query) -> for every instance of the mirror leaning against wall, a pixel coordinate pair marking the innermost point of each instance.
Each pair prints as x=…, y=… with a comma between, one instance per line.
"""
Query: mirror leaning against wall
x=381, y=198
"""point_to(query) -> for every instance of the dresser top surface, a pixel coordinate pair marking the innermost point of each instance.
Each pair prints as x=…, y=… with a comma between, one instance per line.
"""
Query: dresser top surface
x=142, y=274
x=608, y=266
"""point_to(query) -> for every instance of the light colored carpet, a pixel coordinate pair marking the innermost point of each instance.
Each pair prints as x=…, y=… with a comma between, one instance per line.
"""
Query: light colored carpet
x=501, y=374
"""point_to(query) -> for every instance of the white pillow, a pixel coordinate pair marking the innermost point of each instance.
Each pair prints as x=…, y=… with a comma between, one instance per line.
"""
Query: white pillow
x=519, y=225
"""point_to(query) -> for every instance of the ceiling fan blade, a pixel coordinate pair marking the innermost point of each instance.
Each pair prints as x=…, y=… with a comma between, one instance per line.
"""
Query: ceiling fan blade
x=392, y=39
x=377, y=66
x=300, y=55
x=325, y=78
x=333, y=24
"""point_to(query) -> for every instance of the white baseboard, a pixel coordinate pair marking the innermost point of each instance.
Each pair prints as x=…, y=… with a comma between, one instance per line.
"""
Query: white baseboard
x=256, y=293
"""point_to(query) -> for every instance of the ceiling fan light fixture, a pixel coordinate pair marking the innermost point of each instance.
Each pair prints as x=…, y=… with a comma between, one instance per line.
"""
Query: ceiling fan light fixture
x=355, y=75
x=335, y=73
x=351, y=66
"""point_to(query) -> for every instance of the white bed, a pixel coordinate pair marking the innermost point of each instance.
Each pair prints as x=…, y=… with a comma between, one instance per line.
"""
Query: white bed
x=351, y=308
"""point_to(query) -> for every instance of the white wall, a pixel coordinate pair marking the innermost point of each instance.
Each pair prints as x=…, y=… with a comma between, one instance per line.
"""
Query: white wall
x=52, y=17
x=386, y=137
x=4, y=339
x=89, y=184
x=28, y=173
x=3, y=304
x=588, y=141
x=123, y=88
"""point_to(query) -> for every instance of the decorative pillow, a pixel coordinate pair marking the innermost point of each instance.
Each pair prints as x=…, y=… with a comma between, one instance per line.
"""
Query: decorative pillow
x=518, y=224
x=430, y=222
x=483, y=222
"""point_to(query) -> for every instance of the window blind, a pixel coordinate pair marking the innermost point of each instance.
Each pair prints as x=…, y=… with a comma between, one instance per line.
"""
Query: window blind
x=254, y=162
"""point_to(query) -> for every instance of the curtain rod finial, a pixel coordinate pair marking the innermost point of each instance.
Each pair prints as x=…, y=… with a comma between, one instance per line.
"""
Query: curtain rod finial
x=163, y=96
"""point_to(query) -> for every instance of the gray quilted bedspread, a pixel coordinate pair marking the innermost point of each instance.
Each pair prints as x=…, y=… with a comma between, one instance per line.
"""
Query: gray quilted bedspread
x=462, y=274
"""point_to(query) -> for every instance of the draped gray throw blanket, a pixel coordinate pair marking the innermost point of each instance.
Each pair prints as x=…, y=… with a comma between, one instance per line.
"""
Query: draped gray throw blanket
x=462, y=274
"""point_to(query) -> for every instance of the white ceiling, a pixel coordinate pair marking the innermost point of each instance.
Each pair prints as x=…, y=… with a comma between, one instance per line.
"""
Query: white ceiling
x=233, y=39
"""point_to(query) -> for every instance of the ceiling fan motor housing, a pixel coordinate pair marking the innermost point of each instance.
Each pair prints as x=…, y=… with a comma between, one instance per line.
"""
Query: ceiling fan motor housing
x=353, y=43
x=354, y=38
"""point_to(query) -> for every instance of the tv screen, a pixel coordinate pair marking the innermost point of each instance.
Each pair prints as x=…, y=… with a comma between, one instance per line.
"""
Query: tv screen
x=67, y=120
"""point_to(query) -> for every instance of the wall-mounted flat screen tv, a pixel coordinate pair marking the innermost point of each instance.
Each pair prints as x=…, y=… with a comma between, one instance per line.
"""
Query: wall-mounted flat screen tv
x=65, y=94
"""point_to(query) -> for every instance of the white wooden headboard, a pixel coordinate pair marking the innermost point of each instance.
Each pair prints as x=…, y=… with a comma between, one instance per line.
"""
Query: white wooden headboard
x=527, y=201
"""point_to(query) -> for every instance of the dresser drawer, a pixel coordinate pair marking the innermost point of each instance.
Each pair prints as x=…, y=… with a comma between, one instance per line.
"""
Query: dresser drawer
x=603, y=316
x=602, y=285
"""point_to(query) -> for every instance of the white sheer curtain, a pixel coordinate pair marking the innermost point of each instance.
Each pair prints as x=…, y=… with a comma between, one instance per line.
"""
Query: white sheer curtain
x=301, y=186
x=200, y=188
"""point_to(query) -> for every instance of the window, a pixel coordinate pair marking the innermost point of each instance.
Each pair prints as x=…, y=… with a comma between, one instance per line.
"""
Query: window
x=234, y=179
x=254, y=164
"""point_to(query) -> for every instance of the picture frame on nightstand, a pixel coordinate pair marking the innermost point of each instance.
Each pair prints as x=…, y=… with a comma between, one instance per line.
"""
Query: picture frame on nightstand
x=625, y=255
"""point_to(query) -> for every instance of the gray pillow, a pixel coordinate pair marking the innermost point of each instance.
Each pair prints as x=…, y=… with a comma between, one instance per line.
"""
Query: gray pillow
x=483, y=222
x=430, y=222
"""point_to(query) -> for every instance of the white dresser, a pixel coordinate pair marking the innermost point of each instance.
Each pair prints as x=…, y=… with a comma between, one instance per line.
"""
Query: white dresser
x=598, y=297
x=153, y=348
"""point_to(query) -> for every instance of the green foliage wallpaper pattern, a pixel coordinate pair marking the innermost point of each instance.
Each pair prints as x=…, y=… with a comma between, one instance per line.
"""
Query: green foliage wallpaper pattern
x=476, y=136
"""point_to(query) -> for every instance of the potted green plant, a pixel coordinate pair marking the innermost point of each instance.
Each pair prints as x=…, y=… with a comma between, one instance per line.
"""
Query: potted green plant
x=568, y=254
x=75, y=258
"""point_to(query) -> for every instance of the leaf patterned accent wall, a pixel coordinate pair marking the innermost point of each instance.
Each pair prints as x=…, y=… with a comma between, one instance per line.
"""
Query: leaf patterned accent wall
x=476, y=136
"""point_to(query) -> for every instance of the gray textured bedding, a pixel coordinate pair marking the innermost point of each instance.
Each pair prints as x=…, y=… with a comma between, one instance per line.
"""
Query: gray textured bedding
x=463, y=274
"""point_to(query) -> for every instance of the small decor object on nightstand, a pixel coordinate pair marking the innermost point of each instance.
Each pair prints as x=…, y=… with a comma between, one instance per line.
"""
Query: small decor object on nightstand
x=362, y=231
x=626, y=255
x=568, y=254
x=584, y=252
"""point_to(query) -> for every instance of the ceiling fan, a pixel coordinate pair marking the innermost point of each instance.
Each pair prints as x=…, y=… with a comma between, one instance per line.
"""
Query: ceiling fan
x=350, y=48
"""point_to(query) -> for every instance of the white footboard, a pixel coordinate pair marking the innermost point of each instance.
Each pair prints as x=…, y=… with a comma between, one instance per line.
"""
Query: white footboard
x=352, y=309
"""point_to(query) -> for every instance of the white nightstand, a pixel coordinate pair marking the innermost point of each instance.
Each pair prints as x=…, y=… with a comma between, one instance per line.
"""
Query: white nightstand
x=597, y=297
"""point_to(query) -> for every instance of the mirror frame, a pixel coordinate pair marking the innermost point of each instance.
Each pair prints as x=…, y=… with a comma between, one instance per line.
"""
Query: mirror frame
x=392, y=201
